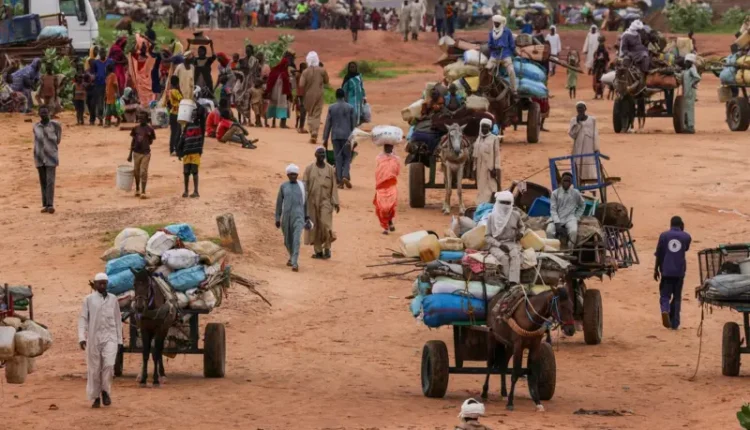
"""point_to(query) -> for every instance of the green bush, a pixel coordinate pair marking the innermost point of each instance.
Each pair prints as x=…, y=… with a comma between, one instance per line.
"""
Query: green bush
x=743, y=416
x=374, y=70
x=734, y=17
x=61, y=66
x=686, y=18
x=275, y=49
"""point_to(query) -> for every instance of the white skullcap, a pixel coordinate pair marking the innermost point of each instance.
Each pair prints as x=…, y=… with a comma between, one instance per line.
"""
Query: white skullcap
x=499, y=19
x=485, y=121
x=292, y=168
x=101, y=277
x=471, y=409
x=581, y=103
x=690, y=57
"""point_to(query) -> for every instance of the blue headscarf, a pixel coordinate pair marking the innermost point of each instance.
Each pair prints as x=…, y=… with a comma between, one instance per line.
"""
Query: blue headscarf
x=29, y=73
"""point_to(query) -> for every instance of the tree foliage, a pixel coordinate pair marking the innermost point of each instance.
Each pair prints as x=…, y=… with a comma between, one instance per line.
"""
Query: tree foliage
x=687, y=18
x=734, y=16
x=275, y=49
x=61, y=65
x=744, y=416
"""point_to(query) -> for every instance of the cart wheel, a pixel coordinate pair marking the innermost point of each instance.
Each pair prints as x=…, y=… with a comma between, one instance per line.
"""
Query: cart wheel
x=738, y=114
x=416, y=185
x=434, y=369
x=534, y=123
x=548, y=377
x=119, y=362
x=678, y=115
x=593, y=321
x=214, y=351
x=730, y=350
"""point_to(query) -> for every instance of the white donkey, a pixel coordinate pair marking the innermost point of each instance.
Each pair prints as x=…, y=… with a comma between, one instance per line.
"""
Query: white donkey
x=455, y=151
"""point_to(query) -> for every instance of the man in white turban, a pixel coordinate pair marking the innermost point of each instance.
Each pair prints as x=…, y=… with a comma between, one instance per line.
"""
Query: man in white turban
x=291, y=214
x=502, y=48
x=486, y=162
x=504, y=229
x=100, y=335
x=590, y=46
x=471, y=410
x=632, y=45
x=690, y=80
x=311, y=88
x=322, y=200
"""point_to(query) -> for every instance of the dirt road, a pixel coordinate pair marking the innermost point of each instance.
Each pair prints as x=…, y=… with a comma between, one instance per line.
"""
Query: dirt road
x=339, y=352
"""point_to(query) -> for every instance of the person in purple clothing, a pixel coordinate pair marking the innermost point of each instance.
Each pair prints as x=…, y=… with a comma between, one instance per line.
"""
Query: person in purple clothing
x=502, y=48
x=670, y=267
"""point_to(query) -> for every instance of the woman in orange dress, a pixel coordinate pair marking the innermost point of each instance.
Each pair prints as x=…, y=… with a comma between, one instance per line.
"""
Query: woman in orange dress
x=386, y=191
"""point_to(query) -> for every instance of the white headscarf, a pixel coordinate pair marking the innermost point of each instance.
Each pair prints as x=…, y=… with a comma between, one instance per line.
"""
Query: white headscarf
x=501, y=213
x=312, y=59
x=481, y=123
x=471, y=409
x=292, y=168
x=635, y=27
x=498, y=31
x=691, y=58
x=593, y=27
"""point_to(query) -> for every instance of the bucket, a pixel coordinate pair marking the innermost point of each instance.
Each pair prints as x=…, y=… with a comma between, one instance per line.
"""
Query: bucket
x=185, y=114
x=125, y=177
x=745, y=267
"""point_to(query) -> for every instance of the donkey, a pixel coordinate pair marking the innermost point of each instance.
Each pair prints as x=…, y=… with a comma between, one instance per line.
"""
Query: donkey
x=524, y=329
x=154, y=315
x=455, y=151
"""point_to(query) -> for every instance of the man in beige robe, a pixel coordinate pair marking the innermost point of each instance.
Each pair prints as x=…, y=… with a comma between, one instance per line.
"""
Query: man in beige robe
x=585, y=134
x=322, y=199
x=311, y=85
x=486, y=162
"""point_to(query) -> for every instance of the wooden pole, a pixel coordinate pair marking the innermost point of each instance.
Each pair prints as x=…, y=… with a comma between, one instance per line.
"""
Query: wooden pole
x=228, y=233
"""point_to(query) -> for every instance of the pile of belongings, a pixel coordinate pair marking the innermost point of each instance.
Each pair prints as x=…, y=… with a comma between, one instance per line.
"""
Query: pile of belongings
x=194, y=272
x=522, y=8
x=21, y=341
x=339, y=7
x=732, y=287
x=736, y=67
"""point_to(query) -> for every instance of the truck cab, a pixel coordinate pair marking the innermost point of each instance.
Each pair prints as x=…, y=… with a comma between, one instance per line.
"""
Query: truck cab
x=83, y=28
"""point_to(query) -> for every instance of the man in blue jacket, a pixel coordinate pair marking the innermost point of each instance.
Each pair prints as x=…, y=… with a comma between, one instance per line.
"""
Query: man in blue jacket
x=671, y=265
x=502, y=48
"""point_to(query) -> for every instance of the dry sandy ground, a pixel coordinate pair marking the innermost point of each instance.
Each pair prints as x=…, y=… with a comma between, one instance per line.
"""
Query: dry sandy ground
x=339, y=352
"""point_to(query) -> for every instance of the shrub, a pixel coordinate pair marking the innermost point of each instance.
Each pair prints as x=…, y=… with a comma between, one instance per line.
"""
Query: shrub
x=690, y=17
x=734, y=17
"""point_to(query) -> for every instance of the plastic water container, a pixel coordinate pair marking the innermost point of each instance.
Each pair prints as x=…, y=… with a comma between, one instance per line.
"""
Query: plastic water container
x=125, y=177
x=185, y=114
x=429, y=248
x=475, y=238
x=540, y=207
x=409, y=243
x=532, y=240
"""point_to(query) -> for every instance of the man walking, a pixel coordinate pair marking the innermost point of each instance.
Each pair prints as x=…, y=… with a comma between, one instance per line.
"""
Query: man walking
x=291, y=214
x=340, y=123
x=671, y=266
x=47, y=135
x=311, y=87
x=585, y=134
x=322, y=199
x=100, y=335
x=440, y=19
x=690, y=80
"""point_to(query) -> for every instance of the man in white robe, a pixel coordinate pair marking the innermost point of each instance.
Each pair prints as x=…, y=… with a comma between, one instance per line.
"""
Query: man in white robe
x=590, y=46
x=404, y=19
x=417, y=9
x=585, y=134
x=100, y=335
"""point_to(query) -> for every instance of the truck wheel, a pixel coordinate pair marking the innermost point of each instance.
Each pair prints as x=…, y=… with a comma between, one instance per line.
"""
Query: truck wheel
x=738, y=114
x=534, y=123
x=678, y=115
x=730, y=350
x=434, y=369
x=593, y=322
x=416, y=185
x=214, y=351
x=548, y=375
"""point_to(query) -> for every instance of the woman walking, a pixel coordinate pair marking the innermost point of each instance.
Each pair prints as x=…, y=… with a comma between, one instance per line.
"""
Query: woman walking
x=279, y=91
x=355, y=90
x=312, y=83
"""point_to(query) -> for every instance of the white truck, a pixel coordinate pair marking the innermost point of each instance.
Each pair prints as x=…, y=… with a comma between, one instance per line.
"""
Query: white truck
x=83, y=28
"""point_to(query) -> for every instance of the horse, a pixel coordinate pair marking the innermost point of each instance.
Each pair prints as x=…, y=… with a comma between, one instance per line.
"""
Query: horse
x=455, y=151
x=522, y=329
x=154, y=315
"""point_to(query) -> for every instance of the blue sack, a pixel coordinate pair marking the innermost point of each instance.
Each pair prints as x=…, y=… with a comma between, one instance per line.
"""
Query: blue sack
x=183, y=231
x=451, y=255
x=442, y=309
x=124, y=264
x=416, y=305
x=526, y=69
x=121, y=282
x=483, y=211
x=728, y=76
x=533, y=88
x=187, y=279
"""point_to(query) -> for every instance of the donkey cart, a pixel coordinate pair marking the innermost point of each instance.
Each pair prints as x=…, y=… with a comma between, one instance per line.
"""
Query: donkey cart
x=470, y=344
x=651, y=103
x=214, y=342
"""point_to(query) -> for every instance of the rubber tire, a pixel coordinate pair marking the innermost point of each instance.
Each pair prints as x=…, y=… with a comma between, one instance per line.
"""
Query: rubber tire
x=434, y=369
x=119, y=362
x=743, y=115
x=678, y=115
x=593, y=321
x=534, y=123
x=730, y=350
x=214, y=351
x=416, y=185
x=548, y=376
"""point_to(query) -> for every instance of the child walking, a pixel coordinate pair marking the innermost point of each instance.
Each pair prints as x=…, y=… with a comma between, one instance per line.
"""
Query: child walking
x=48, y=90
x=79, y=97
x=140, y=152
x=572, y=81
x=173, y=104
x=256, y=103
x=110, y=97
x=190, y=149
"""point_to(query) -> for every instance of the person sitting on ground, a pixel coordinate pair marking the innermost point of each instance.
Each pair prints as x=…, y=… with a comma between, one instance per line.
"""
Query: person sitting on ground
x=471, y=410
x=140, y=152
x=130, y=105
x=504, y=229
x=190, y=149
x=566, y=209
x=230, y=130
x=214, y=118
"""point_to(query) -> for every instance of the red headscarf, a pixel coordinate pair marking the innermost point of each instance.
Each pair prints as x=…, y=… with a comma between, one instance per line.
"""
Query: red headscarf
x=280, y=71
x=223, y=59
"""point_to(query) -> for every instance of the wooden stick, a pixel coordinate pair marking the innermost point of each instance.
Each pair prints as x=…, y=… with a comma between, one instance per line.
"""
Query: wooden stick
x=564, y=64
x=250, y=285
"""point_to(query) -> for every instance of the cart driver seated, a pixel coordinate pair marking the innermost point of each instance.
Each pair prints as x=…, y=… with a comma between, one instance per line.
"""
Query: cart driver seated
x=502, y=47
x=566, y=209
x=632, y=46
x=424, y=130
x=504, y=230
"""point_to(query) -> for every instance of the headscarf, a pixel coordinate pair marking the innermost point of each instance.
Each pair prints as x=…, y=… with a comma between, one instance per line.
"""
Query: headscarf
x=292, y=168
x=497, y=32
x=501, y=213
x=481, y=123
x=349, y=74
x=280, y=71
x=312, y=59
x=223, y=59
x=635, y=27
x=471, y=409
x=27, y=73
x=691, y=58
x=101, y=277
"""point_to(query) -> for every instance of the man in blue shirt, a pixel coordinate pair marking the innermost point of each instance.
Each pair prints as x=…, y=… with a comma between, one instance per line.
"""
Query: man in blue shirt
x=502, y=48
x=100, y=76
x=670, y=265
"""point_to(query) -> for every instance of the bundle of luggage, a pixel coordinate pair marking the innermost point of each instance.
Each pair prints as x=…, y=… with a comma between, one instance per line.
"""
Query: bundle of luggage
x=194, y=272
x=21, y=341
x=729, y=287
x=736, y=69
